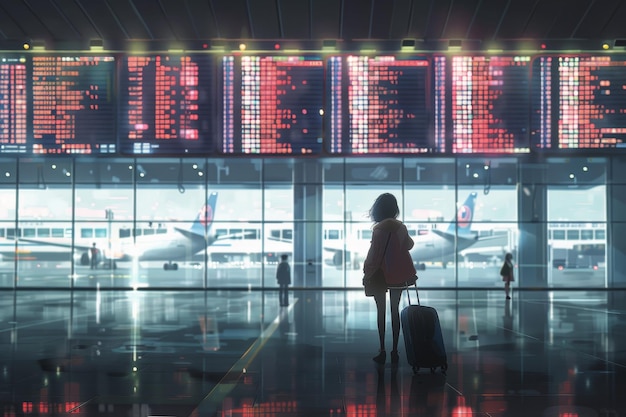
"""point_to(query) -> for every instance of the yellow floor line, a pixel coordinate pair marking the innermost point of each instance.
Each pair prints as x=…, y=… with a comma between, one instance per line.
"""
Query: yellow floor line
x=214, y=399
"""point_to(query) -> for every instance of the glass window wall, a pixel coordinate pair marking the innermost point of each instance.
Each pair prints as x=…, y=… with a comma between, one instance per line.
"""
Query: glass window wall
x=223, y=223
x=577, y=223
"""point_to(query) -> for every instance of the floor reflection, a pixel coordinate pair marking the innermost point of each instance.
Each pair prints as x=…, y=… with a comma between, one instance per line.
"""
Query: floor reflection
x=238, y=353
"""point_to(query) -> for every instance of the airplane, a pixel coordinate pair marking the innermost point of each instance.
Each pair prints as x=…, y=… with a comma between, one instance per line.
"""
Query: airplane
x=435, y=245
x=179, y=244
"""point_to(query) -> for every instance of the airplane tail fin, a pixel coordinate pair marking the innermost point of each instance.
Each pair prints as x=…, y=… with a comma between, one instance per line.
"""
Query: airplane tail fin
x=204, y=220
x=464, y=216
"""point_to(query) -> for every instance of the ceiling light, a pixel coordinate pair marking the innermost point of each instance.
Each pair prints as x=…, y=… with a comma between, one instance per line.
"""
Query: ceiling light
x=96, y=45
x=455, y=44
x=407, y=45
x=329, y=45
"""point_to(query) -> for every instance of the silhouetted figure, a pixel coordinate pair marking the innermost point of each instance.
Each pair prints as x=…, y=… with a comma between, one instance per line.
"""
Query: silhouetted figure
x=94, y=252
x=390, y=241
x=283, y=277
x=507, y=274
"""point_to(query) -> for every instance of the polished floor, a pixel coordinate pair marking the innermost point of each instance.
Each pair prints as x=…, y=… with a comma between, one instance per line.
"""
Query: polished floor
x=238, y=353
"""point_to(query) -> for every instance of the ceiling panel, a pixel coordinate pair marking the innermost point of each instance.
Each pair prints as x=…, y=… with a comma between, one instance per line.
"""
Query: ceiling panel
x=568, y=19
x=203, y=19
x=128, y=17
x=295, y=19
x=326, y=18
x=264, y=19
x=420, y=18
x=614, y=27
x=162, y=20
x=26, y=19
x=80, y=21
x=9, y=28
x=542, y=19
x=232, y=18
x=153, y=17
x=49, y=15
x=103, y=19
x=436, y=24
x=487, y=19
x=596, y=18
x=179, y=19
x=382, y=13
x=356, y=19
x=459, y=19
x=401, y=20
x=514, y=19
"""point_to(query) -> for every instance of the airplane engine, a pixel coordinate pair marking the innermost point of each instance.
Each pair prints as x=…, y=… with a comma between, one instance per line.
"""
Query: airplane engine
x=338, y=259
x=85, y=259
x=351, y=261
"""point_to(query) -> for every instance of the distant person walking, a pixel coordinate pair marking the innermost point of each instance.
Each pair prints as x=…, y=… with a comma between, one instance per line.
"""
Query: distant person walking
x=94, y=252
x=389, y=250
x=283, y=277
x=507, y=274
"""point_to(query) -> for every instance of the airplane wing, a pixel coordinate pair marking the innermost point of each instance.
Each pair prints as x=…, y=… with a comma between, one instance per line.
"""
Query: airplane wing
x=55, y=244
x=451, y=236
x=231, y=236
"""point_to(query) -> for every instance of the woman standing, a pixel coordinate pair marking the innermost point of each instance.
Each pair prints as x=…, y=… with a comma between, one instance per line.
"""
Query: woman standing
x=389, y=250
x=507, y=274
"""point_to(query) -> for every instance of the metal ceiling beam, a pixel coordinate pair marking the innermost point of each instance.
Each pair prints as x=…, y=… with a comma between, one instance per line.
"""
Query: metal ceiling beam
x=65, y=18
x=193, y=22
x=582, y=18
x=217, y=26
x=250, y=19
x=169, y=22
x=471, y=23
x=117, y=20
x=369, y=30
x=341, y=15
x=504, y=12
x=141, y=19
x=281, y=30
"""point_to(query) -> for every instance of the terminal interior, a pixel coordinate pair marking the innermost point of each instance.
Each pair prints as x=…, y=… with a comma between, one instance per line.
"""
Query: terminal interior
x=138, y=269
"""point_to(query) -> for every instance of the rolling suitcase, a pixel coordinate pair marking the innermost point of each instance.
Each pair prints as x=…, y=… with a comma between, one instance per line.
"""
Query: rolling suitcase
x=422, y=337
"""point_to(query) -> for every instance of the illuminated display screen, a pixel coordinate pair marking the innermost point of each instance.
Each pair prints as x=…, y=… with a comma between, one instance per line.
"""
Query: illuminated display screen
x=166, y=104
x=73, y=105
x=273, y=105
x=490, y=104
x=541, y=104
x=392, y=105
x=591, y=101
x=13, y=105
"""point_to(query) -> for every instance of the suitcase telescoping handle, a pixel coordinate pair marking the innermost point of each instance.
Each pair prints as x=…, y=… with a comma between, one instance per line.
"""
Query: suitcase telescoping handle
x=416, y=293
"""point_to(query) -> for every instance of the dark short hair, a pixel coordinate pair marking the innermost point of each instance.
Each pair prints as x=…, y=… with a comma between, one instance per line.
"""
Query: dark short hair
x=283, y=257
x=385, y=207
x=508, y=256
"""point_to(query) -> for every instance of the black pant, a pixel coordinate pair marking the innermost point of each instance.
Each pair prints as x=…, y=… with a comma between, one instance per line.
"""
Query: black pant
x=283, y=294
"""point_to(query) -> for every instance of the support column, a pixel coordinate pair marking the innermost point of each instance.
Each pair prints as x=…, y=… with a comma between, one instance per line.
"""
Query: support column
x=616, y=224
x=532, y=256
x=307, y=236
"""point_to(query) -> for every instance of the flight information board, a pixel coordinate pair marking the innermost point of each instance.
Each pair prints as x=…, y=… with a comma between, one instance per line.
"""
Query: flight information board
x=73, y=104
x=13, y=105
x=386, y=104
x=166, y=104
x=273, y=104
x=591, y=101
x=490, y=104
